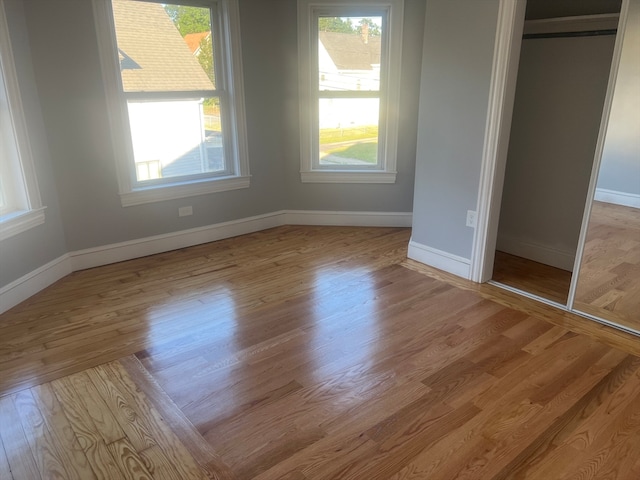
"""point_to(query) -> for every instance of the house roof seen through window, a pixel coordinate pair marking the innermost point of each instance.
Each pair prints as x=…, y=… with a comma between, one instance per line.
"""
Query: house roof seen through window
x=153, y=55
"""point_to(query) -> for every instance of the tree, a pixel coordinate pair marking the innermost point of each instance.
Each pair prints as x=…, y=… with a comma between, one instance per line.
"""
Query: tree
x=335, y=24
x=374, y=28
x=205, y=57
x=195, y=20
x=189, y=19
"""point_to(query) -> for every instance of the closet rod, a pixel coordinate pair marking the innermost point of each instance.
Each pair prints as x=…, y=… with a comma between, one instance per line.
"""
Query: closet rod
x=588, y=33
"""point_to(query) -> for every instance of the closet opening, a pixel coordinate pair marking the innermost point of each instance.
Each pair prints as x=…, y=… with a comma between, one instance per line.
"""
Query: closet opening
x=563, y=73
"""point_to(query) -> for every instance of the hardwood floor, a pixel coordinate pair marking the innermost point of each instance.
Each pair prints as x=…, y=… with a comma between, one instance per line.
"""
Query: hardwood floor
x=309, y=353
x=609, y=283
x=542, y=280
x=100, y=424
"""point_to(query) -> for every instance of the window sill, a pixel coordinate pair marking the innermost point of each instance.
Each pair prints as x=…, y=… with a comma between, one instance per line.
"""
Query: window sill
x=158, y=193
x=332, y=176
x=17, y=222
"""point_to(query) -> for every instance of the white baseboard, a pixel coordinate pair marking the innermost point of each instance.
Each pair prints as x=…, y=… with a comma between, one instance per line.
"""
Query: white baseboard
x=439, y=259
x=538, y=253
x=31, y=283
x=617, y=198
x=141, y=247
x=352, y=219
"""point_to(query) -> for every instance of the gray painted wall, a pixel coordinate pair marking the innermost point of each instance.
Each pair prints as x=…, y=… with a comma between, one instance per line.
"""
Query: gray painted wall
x=560, y=93
x=454, y=94
x=29, y=250
x=76, y=157
x=620, y=168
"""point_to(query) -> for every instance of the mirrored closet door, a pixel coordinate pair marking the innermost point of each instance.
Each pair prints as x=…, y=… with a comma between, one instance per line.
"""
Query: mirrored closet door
x=607, y=278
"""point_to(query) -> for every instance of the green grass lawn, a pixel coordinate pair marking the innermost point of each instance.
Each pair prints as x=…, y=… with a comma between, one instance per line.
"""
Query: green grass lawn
x=367, y=152
x=213, y=124
x=335, y=135
x=212, y=117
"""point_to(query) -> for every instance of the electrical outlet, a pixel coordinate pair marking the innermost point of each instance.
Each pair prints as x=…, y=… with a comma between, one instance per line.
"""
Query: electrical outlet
x=185, y=211
x=471, y=218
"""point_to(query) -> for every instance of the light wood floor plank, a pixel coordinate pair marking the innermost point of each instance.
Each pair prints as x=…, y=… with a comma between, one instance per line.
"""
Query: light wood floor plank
x=63, y=435
x=128, y=460
x=88, y=435
x=81, y=387
x=137, y=432
x=160, y=467
x=17, y=448
x=5, y=468
x=45, y=450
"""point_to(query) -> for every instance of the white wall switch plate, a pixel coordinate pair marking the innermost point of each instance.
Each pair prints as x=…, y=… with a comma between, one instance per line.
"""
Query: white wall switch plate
x=185, y=211
x=471, y=218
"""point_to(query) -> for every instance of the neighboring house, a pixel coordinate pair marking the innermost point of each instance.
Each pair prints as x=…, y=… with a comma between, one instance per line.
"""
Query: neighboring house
x=168, y=134
x=194, y=41
x=346, y=62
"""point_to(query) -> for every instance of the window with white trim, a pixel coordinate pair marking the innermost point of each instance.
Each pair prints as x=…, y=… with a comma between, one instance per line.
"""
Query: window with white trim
x=173, y=77
x=20, y=204
x=349, y=58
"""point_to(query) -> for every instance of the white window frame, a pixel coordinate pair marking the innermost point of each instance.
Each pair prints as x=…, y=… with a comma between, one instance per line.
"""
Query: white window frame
x=22, y=207
x=308, y=13
x=134, y=192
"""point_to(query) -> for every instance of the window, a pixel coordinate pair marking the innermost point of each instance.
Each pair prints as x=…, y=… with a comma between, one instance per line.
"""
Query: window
x=349, y=57
x=20, y=205
x=174, y=84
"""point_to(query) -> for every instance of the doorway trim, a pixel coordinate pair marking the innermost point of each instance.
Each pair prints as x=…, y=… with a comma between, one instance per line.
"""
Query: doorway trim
x=504, y=73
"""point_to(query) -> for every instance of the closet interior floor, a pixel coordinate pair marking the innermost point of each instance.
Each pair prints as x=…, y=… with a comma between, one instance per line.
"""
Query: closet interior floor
x=532, y=277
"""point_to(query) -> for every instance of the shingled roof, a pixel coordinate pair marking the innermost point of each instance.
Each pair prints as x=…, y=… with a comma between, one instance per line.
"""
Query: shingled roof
x=153, y=55
x=350, y=52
